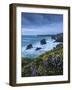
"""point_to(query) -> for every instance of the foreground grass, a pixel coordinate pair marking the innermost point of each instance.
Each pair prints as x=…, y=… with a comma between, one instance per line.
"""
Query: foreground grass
x=49, y=63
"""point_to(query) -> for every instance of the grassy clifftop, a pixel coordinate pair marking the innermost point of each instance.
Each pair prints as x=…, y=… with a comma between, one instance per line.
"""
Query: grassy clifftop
x=49, y=63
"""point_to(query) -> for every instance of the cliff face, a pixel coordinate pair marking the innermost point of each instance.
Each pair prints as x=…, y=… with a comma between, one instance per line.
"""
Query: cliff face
x=58, y=37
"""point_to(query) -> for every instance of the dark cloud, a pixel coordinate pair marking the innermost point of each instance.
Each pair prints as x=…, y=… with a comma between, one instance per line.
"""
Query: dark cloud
x=31, y=20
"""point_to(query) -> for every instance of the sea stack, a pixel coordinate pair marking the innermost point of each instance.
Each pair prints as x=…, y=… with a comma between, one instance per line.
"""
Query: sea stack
x=43, y=41
x=29, y=46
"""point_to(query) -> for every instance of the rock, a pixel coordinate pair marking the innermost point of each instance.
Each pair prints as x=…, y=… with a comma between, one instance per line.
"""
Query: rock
x=55, y=62
x=58, y=37
x=53, y=37
x=43, y=41
x=38, y=48
x=54, y=48
x=29, y=46
x=59, y=45
x=33, y=70
x=45, y=62
x=49, y=57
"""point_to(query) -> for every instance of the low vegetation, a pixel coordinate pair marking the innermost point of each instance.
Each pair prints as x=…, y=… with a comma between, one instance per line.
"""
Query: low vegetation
x=49, y=63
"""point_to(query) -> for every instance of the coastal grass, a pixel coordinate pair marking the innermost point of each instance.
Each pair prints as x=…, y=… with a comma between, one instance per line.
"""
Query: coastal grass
x=43, y=65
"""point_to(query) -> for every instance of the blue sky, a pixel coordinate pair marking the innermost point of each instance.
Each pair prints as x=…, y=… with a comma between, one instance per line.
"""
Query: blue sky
x=41, y=24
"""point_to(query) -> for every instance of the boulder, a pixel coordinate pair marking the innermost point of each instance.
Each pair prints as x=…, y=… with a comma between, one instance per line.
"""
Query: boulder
x=43, y=41
x=29, y=46
x=38, y=48
x=59, y=45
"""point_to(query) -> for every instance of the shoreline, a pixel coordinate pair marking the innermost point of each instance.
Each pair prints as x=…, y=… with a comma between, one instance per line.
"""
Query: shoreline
x=43, y=48
x=36, y=49
x=47, y=52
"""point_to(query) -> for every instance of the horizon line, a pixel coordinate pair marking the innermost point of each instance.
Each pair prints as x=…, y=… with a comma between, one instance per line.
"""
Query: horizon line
x=41, y=34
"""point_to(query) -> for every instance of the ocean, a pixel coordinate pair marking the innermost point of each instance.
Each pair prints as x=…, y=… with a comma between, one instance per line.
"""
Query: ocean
x=35, y=41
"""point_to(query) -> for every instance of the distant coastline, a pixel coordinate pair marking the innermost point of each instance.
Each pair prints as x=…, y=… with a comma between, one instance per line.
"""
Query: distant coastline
x=44, y=34
x=53, y=36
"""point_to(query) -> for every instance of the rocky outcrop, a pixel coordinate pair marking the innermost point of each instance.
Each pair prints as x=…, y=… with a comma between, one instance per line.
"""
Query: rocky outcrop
x=38, y=48
x=29, y=46
x=58, y=37
x=59, y=46
x=43, y=41
x=55, y=61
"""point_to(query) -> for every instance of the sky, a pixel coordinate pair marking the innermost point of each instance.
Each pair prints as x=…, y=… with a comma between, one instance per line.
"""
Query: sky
x=41, y=24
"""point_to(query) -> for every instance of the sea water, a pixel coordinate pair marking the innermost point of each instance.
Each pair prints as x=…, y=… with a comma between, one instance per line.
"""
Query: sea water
x=35, y=41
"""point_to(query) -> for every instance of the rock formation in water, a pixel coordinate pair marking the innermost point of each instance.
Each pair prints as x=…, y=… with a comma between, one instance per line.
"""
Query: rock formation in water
x=43, y=41
x=29, y=46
